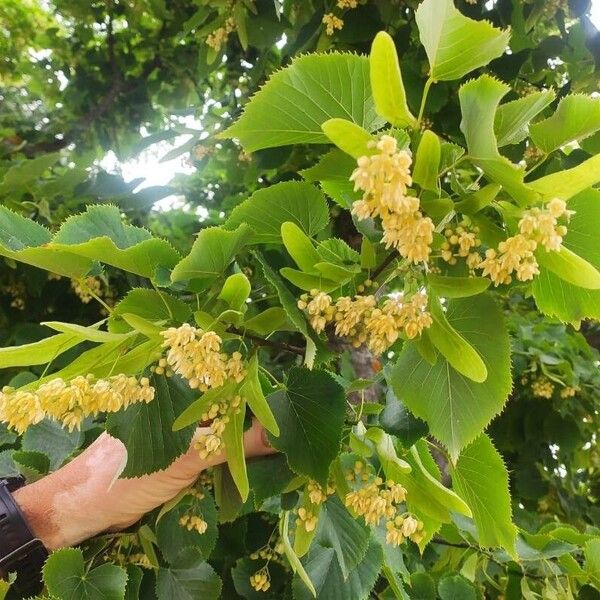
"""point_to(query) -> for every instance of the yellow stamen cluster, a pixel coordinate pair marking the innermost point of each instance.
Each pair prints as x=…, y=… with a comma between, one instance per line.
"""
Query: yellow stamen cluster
x=384, y=178
x=347, y=4
x=568, y=392
x=260, y=581
x=542, y=225
x=307, y=519
x=542, y=388
x=538, y=227
x=332, y=23
x=211, y=443
x=219, y=36
x=196, y=355
x=85, y=289
x=318, y=494
x=374, y=499
x=193, y=522
x=319, y=308
x=364, y=322
x=71, y=402
x=402, y=528
x=462, y=242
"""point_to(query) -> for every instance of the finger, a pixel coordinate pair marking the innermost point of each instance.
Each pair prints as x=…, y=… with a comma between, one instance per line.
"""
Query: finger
x=189, y=466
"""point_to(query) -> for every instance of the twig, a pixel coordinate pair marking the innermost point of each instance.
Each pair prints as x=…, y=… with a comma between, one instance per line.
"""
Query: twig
x=390, y=257
x=465, y=545
x=259, y=341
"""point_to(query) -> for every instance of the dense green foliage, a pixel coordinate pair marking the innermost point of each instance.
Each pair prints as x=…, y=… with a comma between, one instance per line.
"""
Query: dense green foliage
x=482, y=404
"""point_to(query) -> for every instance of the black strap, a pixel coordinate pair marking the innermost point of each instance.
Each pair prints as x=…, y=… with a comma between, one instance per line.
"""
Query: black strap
x=20, y=550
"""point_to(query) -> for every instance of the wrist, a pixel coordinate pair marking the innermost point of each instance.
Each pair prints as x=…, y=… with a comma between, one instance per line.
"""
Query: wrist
x=48, y=518
x=73, y=504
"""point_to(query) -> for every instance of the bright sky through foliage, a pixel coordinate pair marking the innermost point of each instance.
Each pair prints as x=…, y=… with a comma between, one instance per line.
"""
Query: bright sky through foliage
x=148, y=164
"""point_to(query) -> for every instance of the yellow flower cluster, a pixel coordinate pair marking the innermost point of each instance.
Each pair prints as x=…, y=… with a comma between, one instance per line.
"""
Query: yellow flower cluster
x=462, y=242
x=193, y=522
x=307, y=519
x=260, y=581
x=196, y=355
x=318, y=307
x=140, y=559
x=568, y=392
x=347, y=4
x=219, y=414
x=538, y=227
x=364, y=322
x=219, y=36
x=137, y=558
x=70, y=402
x=402, y=528
x=318, y=494
x=332, y=23
x=384, y=178
x=269, y=552
x=542, y=388
x=374, y=499
x=86, y=288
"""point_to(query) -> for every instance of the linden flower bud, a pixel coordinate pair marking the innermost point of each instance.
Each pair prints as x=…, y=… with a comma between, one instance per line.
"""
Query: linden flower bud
x=332, y=23
x=568, y=392
x=542, y=388
x=260, y=580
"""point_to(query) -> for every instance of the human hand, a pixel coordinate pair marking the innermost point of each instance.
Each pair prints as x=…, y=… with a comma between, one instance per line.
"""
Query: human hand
x=85, y=497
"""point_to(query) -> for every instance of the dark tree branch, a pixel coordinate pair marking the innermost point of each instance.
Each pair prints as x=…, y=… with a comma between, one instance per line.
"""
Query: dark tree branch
x=386, y=263
x=441, y=542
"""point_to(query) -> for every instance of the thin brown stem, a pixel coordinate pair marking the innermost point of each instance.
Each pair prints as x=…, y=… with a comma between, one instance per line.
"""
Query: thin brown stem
x=259, y=341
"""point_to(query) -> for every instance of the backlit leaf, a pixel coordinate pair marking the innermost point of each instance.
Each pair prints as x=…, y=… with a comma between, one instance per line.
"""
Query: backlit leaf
x=266, y=210
x=455, y=44
x=576, y=118
x=296, y=101
x=386, y=81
